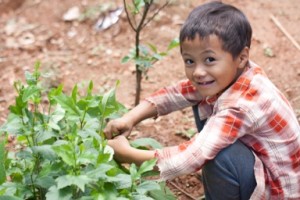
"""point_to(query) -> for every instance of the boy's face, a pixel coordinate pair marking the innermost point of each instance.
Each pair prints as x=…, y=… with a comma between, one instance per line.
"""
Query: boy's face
x=210, y=69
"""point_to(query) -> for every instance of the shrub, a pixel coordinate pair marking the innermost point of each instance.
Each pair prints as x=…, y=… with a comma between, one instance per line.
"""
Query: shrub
x=61, y=152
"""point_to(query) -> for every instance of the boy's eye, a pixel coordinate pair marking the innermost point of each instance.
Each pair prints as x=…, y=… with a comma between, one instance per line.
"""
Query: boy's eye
x=188, y=61
x=209, y=59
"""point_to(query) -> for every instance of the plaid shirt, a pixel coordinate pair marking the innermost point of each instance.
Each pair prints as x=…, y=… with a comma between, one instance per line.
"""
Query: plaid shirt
x=252, y=110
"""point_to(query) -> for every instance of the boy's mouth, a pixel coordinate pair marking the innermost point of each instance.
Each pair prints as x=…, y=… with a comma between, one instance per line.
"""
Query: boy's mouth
x=205, y=82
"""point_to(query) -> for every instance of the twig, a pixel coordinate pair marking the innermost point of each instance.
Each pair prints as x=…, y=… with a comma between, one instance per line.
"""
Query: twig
x=156, y=13
x=181, y=190
x=127, y=15
x=278, y=24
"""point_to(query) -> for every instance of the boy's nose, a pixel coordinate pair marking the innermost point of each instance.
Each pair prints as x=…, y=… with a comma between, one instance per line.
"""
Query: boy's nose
x=200, y=71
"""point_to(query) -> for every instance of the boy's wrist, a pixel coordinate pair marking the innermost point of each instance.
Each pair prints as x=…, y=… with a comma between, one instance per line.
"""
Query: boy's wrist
x=139, y=156
x=142, y=111
x=130, y=119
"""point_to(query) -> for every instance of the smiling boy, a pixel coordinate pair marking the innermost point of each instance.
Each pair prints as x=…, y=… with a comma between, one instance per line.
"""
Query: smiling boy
x=249, y=147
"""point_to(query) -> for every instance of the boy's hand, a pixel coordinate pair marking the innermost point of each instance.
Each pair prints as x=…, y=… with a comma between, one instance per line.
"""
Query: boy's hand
x=124, y=153
x=121, y=148
x=116, y=127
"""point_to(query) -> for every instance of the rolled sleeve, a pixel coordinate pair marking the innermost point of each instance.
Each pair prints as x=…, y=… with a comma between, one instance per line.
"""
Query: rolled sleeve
x=174, y=97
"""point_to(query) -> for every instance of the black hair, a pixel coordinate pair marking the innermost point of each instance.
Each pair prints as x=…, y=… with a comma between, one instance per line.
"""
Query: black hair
x=223, y=20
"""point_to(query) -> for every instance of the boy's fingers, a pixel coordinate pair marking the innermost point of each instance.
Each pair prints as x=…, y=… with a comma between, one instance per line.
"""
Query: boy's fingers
x=108, y=133
x=111, y=132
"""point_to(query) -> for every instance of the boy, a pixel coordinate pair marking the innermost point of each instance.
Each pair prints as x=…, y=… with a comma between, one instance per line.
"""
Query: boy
x=249, y=147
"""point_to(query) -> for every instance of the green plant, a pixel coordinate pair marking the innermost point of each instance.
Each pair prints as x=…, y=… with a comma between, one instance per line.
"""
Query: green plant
x=144, y=56
x=61, y=151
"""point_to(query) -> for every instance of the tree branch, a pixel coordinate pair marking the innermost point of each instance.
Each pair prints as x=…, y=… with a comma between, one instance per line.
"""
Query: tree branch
x=146, y=9
x=181, y=190
x=156, y=13
x=127, y=15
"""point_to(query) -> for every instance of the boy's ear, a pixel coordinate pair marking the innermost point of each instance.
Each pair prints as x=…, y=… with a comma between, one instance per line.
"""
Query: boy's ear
x=243, y=57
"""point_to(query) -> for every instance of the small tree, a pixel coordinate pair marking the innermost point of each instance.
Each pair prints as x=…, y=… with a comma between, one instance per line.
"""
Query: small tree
x=144, y=57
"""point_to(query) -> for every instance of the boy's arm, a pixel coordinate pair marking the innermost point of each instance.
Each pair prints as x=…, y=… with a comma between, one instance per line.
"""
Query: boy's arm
x=125, y=124
x=162, y=102
x=124, y=153
x=175, y=97
x=142, y=111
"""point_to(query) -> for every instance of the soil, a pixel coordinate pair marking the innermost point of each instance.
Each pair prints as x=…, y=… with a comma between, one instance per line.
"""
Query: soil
x=75, y=52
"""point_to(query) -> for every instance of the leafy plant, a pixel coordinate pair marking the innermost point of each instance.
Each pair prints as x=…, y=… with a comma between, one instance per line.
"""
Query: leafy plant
x=61, y=151
x=144, y=56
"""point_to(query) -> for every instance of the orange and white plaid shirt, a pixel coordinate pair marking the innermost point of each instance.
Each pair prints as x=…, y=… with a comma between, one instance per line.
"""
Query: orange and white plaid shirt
x=252, y=110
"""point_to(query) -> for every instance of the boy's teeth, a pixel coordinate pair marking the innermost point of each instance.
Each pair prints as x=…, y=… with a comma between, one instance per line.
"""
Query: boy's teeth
x=205, y=83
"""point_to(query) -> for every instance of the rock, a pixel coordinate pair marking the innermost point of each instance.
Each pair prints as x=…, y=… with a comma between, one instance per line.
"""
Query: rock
x=72, y=14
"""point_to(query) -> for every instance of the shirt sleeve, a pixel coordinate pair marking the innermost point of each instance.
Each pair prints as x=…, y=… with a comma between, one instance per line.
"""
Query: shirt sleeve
x=175, y=97
x=221, y=130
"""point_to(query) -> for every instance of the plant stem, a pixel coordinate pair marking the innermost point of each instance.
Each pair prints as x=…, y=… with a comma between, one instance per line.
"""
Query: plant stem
x=82, y=120
x=127, y=15
x=137, y=53
x=49, y=110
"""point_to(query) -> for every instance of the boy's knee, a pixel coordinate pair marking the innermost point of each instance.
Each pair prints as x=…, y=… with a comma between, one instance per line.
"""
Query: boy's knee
x=230, y=175
x=234, y=159
x=234, y=153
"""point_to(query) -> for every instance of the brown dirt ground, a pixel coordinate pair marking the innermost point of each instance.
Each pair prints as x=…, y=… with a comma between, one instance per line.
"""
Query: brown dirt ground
x=73, y=52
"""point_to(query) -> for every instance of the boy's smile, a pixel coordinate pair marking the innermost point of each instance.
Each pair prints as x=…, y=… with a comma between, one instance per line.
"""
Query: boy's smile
x=211, y=69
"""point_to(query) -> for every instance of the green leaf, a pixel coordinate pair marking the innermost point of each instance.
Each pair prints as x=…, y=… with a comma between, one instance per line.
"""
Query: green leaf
x=147, y=186
x=110, y=192
x=13, y=125
x=144, y=50
x=90, y=89
x=7, y=197
x=150, y=173
x=61, y=194
x=99, y=172
x=16, y=189
x=144, y=63
x=145, y=142
x=133, y=172
x=107, y=98
x=68, y=180
x=45, y=182
x=164, y=193
x=138, y=4
x=25, y=154
x=74, y=93
x=108, y=104
x=141, y=196
x=87, y=157
x=37, y=66
x=54, y=92
x=30, y=92
x=174, y=43
x=147, y=166
x=44, y=135
x=125, y=59
x=157, y=56
x=45, y=151
x=90, y=129
x=66, y=152
x=55, y=117
x=2, y=162
x=18, y=107
x=152, y=47
x=163, y=54
x=30, y=79
x=58, y=114
x=121, y=180
x=68, y=104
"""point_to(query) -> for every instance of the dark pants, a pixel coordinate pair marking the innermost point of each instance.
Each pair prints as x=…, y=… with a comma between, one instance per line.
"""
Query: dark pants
x=230, y=175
